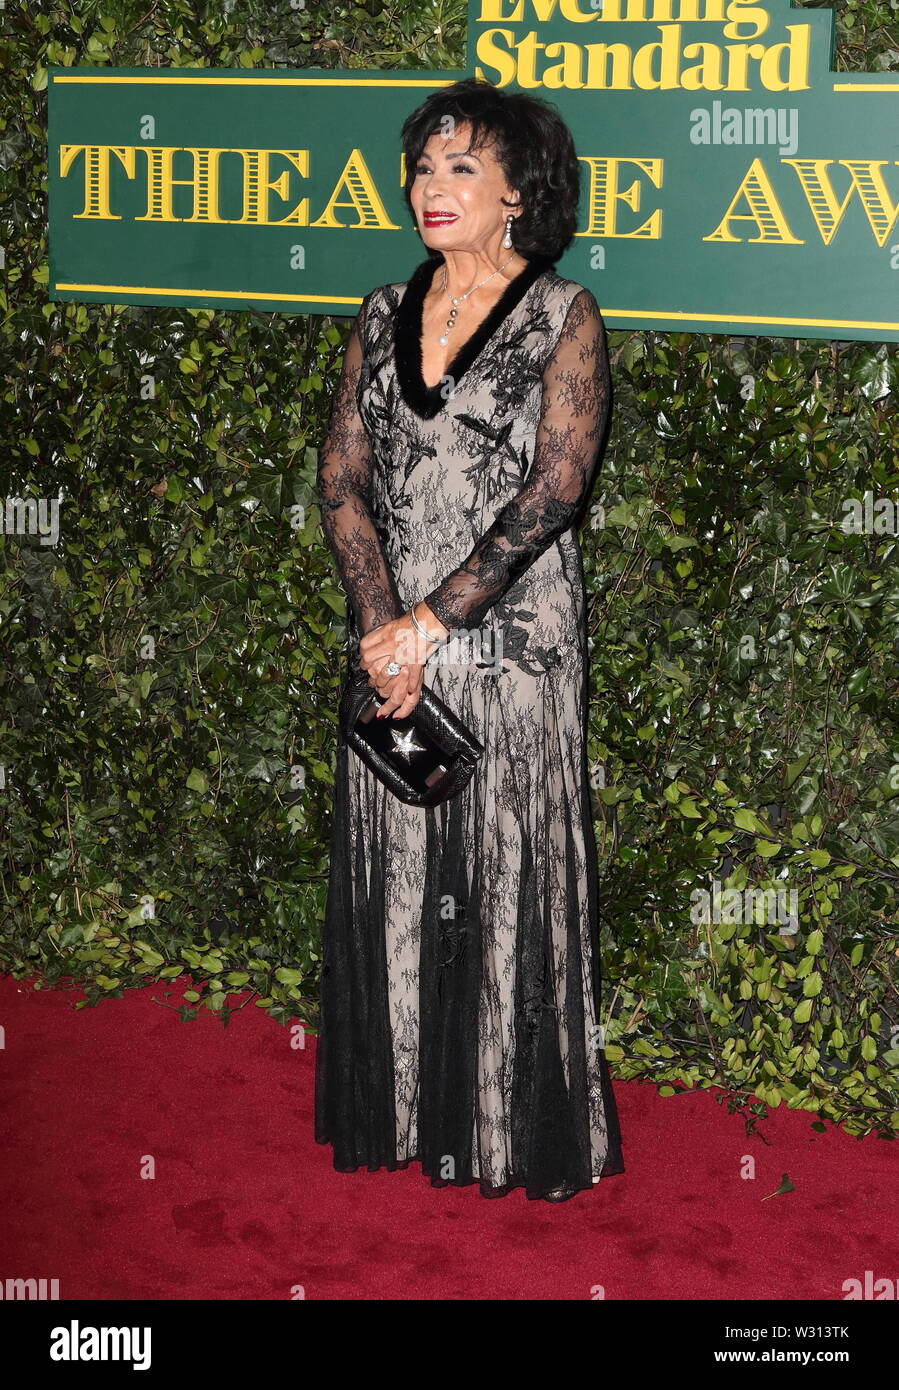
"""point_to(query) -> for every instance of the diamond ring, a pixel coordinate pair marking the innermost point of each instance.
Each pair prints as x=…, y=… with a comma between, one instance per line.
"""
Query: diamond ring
x=393, y=669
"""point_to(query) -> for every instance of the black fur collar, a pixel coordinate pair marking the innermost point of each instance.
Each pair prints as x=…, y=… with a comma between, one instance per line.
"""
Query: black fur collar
x=426, y=400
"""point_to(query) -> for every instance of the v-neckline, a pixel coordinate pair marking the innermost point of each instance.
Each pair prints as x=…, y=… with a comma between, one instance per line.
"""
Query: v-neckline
x=426, y=400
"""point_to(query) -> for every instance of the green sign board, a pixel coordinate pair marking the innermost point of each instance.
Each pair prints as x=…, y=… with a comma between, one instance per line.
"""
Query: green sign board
x=733, y=183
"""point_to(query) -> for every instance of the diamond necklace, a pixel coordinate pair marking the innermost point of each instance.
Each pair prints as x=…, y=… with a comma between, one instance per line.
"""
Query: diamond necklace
x=457, y=299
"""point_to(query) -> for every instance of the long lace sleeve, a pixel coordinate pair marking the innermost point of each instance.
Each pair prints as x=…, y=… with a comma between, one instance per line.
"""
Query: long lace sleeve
x=574, y=412
x=344, y=478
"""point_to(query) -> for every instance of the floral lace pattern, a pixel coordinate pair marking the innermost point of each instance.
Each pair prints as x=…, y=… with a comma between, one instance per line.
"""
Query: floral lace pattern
x=460, y=985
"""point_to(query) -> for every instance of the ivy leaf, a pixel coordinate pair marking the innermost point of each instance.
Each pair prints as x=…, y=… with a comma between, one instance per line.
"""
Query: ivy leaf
x=796, y=768
x=285, y=976
x=785, y=1186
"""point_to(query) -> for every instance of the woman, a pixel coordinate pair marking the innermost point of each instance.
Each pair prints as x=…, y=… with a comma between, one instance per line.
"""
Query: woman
x=460, y=983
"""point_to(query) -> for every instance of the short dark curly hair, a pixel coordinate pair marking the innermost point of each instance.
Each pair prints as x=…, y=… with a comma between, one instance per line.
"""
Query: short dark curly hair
x=533, y=146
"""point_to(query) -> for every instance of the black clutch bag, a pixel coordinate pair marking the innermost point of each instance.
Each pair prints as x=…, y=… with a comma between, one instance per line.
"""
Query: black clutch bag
x=423, y=759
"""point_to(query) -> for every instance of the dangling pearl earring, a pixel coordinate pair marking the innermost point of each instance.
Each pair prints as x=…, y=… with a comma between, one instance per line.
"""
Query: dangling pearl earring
x=507, y=239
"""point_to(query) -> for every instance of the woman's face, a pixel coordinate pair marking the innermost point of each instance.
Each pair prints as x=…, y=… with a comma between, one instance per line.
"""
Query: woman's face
x=467, y=187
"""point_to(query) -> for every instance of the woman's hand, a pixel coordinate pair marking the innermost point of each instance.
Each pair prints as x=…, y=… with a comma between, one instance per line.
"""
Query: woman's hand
x=401, y=692
x=394, y=641
x=399, y=641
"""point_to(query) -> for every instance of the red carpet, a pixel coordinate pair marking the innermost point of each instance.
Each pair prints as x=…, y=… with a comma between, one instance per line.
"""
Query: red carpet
x=244, y=1204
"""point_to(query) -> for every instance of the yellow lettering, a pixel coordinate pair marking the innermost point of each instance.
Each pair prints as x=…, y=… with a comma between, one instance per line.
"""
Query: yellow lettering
x=96, y=175
x=744, y=12
x=731, y=16
x=492, y=12
x=257, y=183
x=206, y=197
x=598, y=55
x=568, y=72
x=706, y=75
x=603, y=196
x=797, y=64
x=764, y=211
x=867, y=181
x=161, y=183
x=493, y=50
x=364, y=198
x=668, y=49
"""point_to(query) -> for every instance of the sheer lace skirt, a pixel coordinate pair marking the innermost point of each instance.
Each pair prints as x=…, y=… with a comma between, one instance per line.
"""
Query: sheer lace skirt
x=460, y=987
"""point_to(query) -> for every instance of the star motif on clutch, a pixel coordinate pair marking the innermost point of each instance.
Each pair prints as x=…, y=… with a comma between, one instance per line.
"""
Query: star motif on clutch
x=406, y=744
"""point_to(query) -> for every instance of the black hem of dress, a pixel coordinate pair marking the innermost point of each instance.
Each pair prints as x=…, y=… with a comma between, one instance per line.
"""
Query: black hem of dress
x=611, y=1168
x=355, y=1081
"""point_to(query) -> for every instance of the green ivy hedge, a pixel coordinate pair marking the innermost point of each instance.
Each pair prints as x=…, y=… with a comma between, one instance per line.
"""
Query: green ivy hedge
x=169, y=672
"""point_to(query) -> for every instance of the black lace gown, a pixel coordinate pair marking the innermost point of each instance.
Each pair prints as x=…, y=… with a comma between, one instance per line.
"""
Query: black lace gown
x=460, y=990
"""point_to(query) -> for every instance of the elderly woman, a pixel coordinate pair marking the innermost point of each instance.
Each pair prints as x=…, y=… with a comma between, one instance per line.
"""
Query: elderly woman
x=460, y=984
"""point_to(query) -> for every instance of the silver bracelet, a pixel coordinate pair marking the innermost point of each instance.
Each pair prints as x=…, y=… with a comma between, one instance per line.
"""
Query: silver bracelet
x=420, y=630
